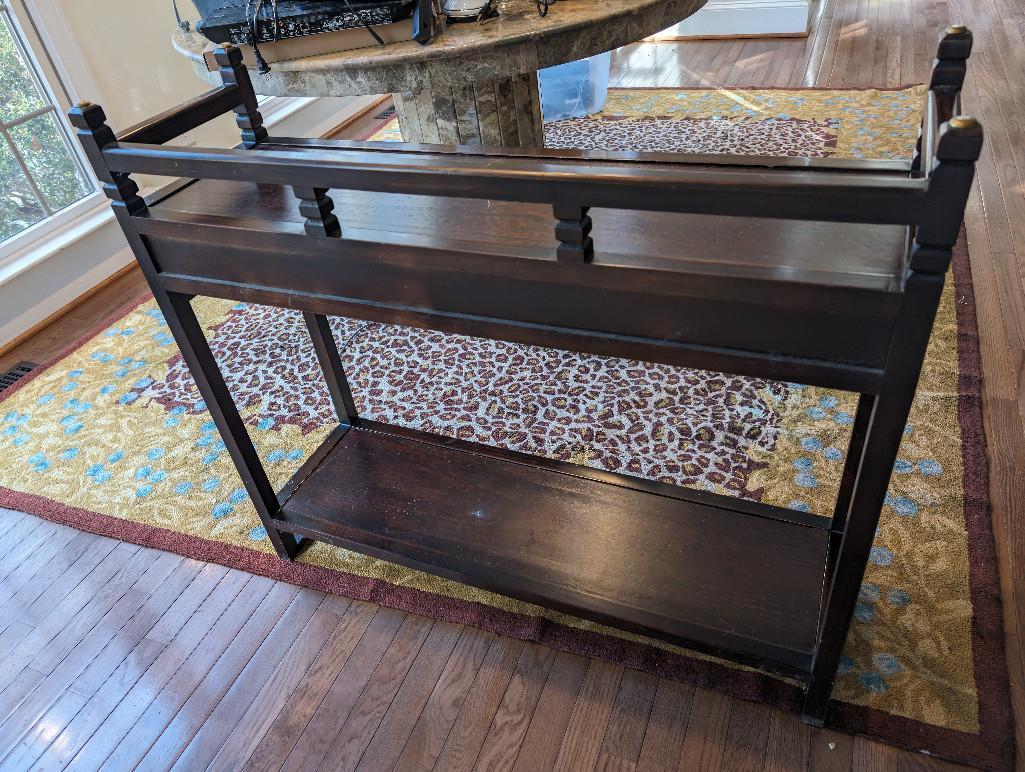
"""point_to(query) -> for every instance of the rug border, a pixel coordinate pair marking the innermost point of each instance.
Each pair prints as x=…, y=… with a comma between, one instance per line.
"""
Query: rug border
x=992, y=679
x=992, y=748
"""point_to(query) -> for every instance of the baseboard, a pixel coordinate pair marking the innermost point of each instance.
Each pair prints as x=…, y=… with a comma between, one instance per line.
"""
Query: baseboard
x=320, y=116
x=692, y=38
x=8, y=347
x=373, y=107
x=746, y=19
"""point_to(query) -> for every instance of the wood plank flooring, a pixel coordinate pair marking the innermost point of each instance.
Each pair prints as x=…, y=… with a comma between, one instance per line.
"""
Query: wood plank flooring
x=113, y=656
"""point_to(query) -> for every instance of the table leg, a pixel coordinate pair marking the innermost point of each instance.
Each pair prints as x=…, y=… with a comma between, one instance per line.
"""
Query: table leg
x=504, y=112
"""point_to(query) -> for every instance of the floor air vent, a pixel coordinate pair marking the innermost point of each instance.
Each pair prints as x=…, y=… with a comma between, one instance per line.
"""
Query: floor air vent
x=15, y=374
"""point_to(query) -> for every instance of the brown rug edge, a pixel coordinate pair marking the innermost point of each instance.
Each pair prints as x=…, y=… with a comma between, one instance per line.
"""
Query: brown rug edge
x=992, y=748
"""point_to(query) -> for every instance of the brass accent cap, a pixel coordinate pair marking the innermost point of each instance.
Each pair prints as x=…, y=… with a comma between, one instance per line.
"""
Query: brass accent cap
x=956, y=29
x=963, y=123
x=84, y=103
x=227, y=46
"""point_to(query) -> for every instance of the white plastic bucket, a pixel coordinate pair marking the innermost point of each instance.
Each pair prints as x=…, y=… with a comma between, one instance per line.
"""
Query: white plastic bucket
x=575, y=89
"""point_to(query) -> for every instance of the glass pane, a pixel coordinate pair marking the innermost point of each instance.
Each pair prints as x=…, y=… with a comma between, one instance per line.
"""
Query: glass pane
x=19, y=208
x=18, y=92
x=48, y=157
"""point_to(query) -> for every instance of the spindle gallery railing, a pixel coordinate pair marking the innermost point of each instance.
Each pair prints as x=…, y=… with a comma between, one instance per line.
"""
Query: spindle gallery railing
x=820, y=271
x=574, y=233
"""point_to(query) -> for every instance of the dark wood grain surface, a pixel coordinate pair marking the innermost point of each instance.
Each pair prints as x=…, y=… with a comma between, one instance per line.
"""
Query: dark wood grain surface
x=740, y=247
x=546, y=536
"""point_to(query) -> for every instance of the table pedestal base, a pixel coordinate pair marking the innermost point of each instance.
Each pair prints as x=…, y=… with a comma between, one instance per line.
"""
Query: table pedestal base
x=504, y=112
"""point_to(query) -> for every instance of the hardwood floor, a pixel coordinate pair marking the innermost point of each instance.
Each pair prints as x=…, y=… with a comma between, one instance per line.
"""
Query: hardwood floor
x=116, y=655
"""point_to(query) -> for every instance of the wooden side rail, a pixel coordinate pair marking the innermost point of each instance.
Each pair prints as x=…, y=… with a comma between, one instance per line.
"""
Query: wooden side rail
x=791, y=195
x=856, y=165
x=573, y=186
x=946, y=80
x=185, y=117
x=236, y=94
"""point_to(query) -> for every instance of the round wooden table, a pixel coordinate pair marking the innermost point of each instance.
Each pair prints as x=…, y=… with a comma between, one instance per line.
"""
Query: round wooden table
x=476, y=83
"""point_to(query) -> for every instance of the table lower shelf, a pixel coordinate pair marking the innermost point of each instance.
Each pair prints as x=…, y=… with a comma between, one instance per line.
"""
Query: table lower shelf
x=681, y=569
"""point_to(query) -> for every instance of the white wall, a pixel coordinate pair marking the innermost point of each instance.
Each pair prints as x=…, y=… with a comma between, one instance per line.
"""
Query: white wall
x=125, y=47
x=29, y=296
x=118, y=54
x=747, y=18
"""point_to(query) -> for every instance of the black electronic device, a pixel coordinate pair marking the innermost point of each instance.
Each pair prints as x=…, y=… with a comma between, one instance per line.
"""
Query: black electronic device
x=237, y=21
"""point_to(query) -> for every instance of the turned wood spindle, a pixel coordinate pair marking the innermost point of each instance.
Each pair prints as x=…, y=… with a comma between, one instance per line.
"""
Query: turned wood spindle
x=91, y=128
x=318, y=209
x=950, y=66
x=573, y=232
x=957, y=149
x=948, y=74
x=247, y=114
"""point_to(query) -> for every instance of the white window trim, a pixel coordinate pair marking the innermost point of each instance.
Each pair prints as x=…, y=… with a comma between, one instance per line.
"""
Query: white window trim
x=56, y=50
x=48, y=236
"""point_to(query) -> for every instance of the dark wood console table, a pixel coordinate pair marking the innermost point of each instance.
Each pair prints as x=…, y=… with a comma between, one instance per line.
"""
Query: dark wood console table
x=822, y=272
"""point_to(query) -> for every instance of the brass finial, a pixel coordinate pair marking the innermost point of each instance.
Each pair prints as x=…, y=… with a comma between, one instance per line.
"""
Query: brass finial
x=956, y=29
x=963, y=123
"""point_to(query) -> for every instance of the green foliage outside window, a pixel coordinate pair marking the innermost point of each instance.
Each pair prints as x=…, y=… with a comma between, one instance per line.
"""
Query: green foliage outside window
x=40, y=142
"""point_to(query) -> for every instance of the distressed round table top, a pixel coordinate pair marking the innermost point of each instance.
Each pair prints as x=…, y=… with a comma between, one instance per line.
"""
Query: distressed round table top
x=518, y=41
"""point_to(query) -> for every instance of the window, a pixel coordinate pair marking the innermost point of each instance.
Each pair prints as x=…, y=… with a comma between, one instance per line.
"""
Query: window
x=41, y=172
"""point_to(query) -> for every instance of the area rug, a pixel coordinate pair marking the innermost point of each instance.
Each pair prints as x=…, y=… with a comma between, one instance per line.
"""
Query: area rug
x=811, y=123
x=112, y=437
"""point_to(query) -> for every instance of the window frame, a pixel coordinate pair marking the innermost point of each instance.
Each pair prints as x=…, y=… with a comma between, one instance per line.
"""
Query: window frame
x=48, y=75
x=66, y=76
